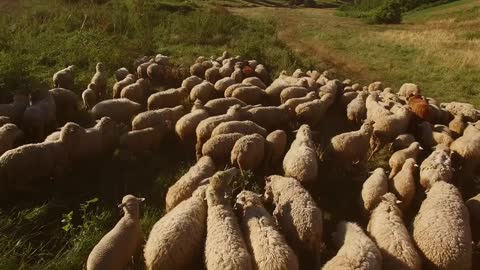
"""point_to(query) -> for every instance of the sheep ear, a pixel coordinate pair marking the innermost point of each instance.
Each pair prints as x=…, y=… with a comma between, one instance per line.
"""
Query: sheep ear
x=121, y=205
x=141, y=199
x=421, y=148
x=398, y=202
x=415, y=165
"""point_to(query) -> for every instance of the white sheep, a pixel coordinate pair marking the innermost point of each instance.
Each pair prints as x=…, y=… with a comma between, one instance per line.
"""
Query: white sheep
x=121, y=73
x=388, y=231
x=441, y=229
x=357, y=252
x=468, y=148
x=100, y=81
x=220, y=106
x=39, y=119
x=189, y=182
x=158, y=117
x=224, y=246
x=219, y=148
x=136, y=92
x=222, y=84
x=398, y=158
x=312, y=112
x=14, y=110
x=250, y=94
x=168, y=98
x=275, y=147
x=191, y=81
x=352, y=147
x=271, y=117
x=409, y=89
x=9, y=136
x=116, y=248
x=457, y=125
x=375, y=86
x=66, y=103
x=89, y=97
x=300, y=162
x=373, y=189
x=204, y=92
x=254, y=81
x=121, y=110
x=402, y=141
x=213, y=75
x=473, y=205
x=468, y=110
x=245, y=127
x=143, y=141
x=292, y=92
x=186, y=125
x=118, y=86
x=356, y=109
x=64, y=78
x=436, y=167
x=267, y=245
x=179, y=236
x=387, y=126
x=248, y=152
x=403, y=184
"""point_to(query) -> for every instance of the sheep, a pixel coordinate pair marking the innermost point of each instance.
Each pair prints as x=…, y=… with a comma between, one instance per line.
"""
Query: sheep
x=168, y=98
x=142, y=69
x=204, y=92
x=308, y=83
x=198, y=70
x=116, y=248
x=409, y=89
x=190, y=82
x=143, y=141
x=26, y=166
x=375, y=86
x=219, y=148
x=271, y=117
x=220, y=106
x=251, y=95
x=374, y=109
x=357, y=250
x=311, y=112
x=66, y=103
x=100, y=81
x=300, y=162
x=222, y=84
x=352, y=147
x=248, y=152
x=472, y=128
x=356, y=109
x=237, y=74
x=121, y=110
x=436, y=167
x=468, y=110
x=296, y=213
x=5, y=120
x=432, y=136
x=402, y=141
x=157, y=117
x=213, y=75
x=206, y=126
x=186, y=125
x=254, y=81
x=229, y=90
x=373, y=189
x=189, y=182
x=292, y=92
x=64, y=78
x=388, y=231
x=275, y=147
x=40, y=118
x=224, y=246
x=292, y=103
x=441, y=229
x=9, y=135
x=262, y=73
x=468, y=148
x=121, y=74
x=161, y=59
x=178, y=237
x=403, y=184
x=473, y=205
x=275, y=89
x=267, y=245
x=89, y=97
x=156, y=72
x=227, y=69
x=245, y=127
x=137, y=62
x=457, y=125
x=347, y=97
x=14, y=111
x=398, y=158
x=136, y=92
x=118, y=86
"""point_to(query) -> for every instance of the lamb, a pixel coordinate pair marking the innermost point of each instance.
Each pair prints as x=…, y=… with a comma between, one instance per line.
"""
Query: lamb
x=116, y=248
x=357, y=252
x=220, y=106
x=118, y=86
x=294, y=102
x=64, y=78
x=409, y=89
x=121, y=110
x=66, y=103
x=248, y=152
x=168, y=98
x=457, y=125
x=312, y=112
x=442, y=230
x=473, y=205
x=398, y=158
x=205, y=127
x=436, y=167
x=40, y=118
x=189, y=182
x=220, y=147
x=254, y=81
x=403, y=184
x=158, y=117
x=186, y=125
x=204, y=92
x=213, y=75
x=267, y=245
x=300, y=161
x=271, y=117
x=136, y=92
x=222, y=84
x=468, y=110
x=292, y=92
x=244, y=127
x=251, y=95
x=373, y=189
x=296, y=213
x=121, y=73
x=402, y=141
x=178, y=237
x=388, y=231
x=143, y=141
x=356, y=109
x=352, y=147
x=100, y=81
x=191, y=81
x=14, y=111
x=224, y=246
x=9, y=135
x=89, y=97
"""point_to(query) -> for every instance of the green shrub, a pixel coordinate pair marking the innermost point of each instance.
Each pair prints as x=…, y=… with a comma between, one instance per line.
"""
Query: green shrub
x=389, y=13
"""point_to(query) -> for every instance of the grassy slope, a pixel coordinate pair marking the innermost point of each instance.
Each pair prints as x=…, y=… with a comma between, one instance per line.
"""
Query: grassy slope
x=436, y=48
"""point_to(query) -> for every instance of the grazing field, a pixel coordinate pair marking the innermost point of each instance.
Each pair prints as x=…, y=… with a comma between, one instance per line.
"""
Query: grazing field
x=57, y=227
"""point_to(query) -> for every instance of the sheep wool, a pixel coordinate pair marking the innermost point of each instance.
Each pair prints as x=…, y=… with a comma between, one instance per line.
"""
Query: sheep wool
x=190, y=82
x=158, y=117
x=204, y=92
x=248, y=152
x=188, y=183
x=356, y=109
x=267, y=245
x=297, y=214
x=352, y=147
x=408, y=89
x=457, y=125
x=250, y=94
x=300, y=162
x=222, y=84
x=402, y=141
x=388, y=231
x=116, y=248
x=224, y=246
x=186, y=125
x=168, y=98
x=9, y=134
x=121, y=110
x=398, y=158
x=100, y=81
x=254, y=81
x=245, y=127
x=220, y=106
x=436, y=167
x=118, y=86
x=14, y=111
x=64, y=78
x=271, y=117
x=178, y=237
x=121, y=73
x=473, y=205
x=357, y=252
x=89, y=97
x=275, y=147
x=403, y=184
x=219, y=148
x=373, y=189
x=442, y=230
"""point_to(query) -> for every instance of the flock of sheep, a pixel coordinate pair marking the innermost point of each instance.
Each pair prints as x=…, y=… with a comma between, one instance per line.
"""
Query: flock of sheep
x=231, y=113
